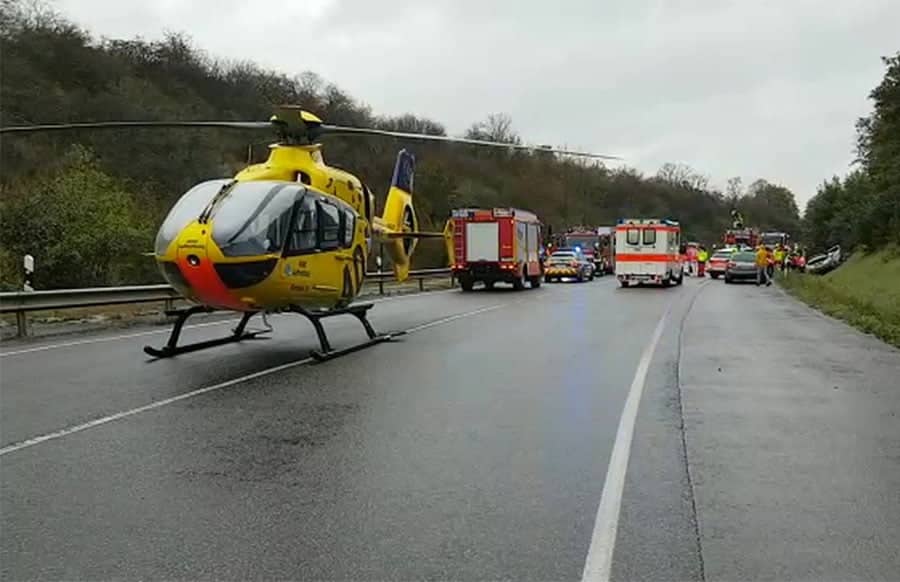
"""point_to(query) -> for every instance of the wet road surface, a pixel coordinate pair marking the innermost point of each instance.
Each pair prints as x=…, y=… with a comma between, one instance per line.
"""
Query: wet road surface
x=475, y=447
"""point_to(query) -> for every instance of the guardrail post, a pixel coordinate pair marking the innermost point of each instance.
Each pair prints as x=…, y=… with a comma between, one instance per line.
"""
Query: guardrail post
x=21, y=324
x=379, y=260
x=421, y=283
x=169, y=305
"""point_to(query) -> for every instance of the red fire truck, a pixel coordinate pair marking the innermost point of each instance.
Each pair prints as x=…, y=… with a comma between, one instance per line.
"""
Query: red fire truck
x=607, y=252
x=743, y=236
x=497, y=245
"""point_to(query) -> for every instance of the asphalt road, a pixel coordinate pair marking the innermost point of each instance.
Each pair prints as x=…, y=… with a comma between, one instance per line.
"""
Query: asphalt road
x=475, y=447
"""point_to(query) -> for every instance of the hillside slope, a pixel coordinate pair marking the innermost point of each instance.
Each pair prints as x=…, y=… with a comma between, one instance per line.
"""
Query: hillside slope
x=864, y=291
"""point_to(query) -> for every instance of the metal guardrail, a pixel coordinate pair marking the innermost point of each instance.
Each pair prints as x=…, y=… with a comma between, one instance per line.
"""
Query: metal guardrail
x=22, y=302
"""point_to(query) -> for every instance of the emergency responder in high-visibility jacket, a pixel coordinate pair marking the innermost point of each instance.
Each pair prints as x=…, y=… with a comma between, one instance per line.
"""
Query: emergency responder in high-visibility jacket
x=779, y=257
x=702, y=257
x=762, y=264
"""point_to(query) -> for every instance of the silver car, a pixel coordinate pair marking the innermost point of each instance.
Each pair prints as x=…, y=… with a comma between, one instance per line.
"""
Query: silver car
x=741, y=267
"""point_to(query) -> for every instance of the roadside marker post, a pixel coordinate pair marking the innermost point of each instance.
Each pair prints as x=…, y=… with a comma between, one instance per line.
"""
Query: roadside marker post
x=27, y=286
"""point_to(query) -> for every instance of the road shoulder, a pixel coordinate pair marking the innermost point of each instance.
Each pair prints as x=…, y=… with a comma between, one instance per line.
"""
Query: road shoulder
x=792, y=440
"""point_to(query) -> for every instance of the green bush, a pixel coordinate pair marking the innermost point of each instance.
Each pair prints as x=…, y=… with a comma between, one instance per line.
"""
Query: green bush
x=81, y=225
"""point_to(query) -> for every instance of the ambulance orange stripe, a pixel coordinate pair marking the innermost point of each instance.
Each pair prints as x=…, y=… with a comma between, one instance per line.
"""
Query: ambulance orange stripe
x=648, y=258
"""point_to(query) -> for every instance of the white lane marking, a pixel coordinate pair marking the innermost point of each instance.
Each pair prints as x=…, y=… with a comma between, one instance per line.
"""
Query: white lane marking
x=192, y=326
x=159, y=403
x=598, y=564
x=125, y=414
x=450, y=318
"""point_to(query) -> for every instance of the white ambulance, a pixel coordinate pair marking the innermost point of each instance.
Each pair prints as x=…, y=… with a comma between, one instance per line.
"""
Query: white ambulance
x=648, y=251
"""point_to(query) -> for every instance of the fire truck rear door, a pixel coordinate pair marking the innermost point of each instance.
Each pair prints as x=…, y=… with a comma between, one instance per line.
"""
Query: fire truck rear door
x=482, y=241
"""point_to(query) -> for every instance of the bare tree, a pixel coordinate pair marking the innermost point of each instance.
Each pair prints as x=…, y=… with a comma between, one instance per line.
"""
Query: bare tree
x=682, y=175
x=735, y=188
x=497, y=127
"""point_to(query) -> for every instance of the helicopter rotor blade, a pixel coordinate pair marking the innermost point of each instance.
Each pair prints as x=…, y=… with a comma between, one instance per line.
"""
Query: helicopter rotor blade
x=325, y=129
x=307, y=132
x=137, y=124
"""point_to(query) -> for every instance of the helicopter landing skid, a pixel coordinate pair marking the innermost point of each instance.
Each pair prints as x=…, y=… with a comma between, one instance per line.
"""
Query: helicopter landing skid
x=172, y=348
x=360, y=312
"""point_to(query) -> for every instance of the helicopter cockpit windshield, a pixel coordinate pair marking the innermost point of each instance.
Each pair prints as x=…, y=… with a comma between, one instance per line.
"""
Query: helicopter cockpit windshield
x=254, y=218
x=185, y=211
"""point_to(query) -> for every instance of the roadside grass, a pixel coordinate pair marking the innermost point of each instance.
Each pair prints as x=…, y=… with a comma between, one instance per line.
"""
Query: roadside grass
x=864, y=292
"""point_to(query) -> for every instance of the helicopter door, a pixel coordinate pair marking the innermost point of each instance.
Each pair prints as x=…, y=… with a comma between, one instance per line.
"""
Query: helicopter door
x=313, y=255
x=333, y=238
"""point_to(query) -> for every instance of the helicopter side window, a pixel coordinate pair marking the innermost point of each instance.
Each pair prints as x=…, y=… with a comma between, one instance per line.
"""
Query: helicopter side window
x=303, y=236
x=349, y=227
x=329, y=226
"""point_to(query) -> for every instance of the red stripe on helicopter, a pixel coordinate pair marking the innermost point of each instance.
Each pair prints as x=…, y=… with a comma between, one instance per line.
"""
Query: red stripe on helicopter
x=206, y=284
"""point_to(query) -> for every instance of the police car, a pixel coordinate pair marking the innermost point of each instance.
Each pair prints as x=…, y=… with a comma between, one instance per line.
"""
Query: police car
x=568, y=263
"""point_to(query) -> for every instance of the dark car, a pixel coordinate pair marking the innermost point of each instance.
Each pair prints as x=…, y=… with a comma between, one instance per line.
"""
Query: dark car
x=741, y=267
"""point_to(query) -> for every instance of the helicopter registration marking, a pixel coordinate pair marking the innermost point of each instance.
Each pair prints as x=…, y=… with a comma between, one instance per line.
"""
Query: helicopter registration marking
x=290, y=272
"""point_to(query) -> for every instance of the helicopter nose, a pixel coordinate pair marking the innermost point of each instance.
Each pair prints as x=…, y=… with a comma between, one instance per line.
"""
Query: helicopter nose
x=201, y=276
x=199, y=273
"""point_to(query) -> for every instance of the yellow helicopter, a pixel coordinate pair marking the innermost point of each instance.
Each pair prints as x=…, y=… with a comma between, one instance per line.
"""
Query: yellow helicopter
x=290, y=234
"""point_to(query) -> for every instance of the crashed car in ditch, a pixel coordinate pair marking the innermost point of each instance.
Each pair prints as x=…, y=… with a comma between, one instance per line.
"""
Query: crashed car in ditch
x=824, y=263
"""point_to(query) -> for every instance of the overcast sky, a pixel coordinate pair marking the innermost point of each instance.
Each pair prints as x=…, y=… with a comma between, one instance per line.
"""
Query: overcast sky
x=757, y=89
